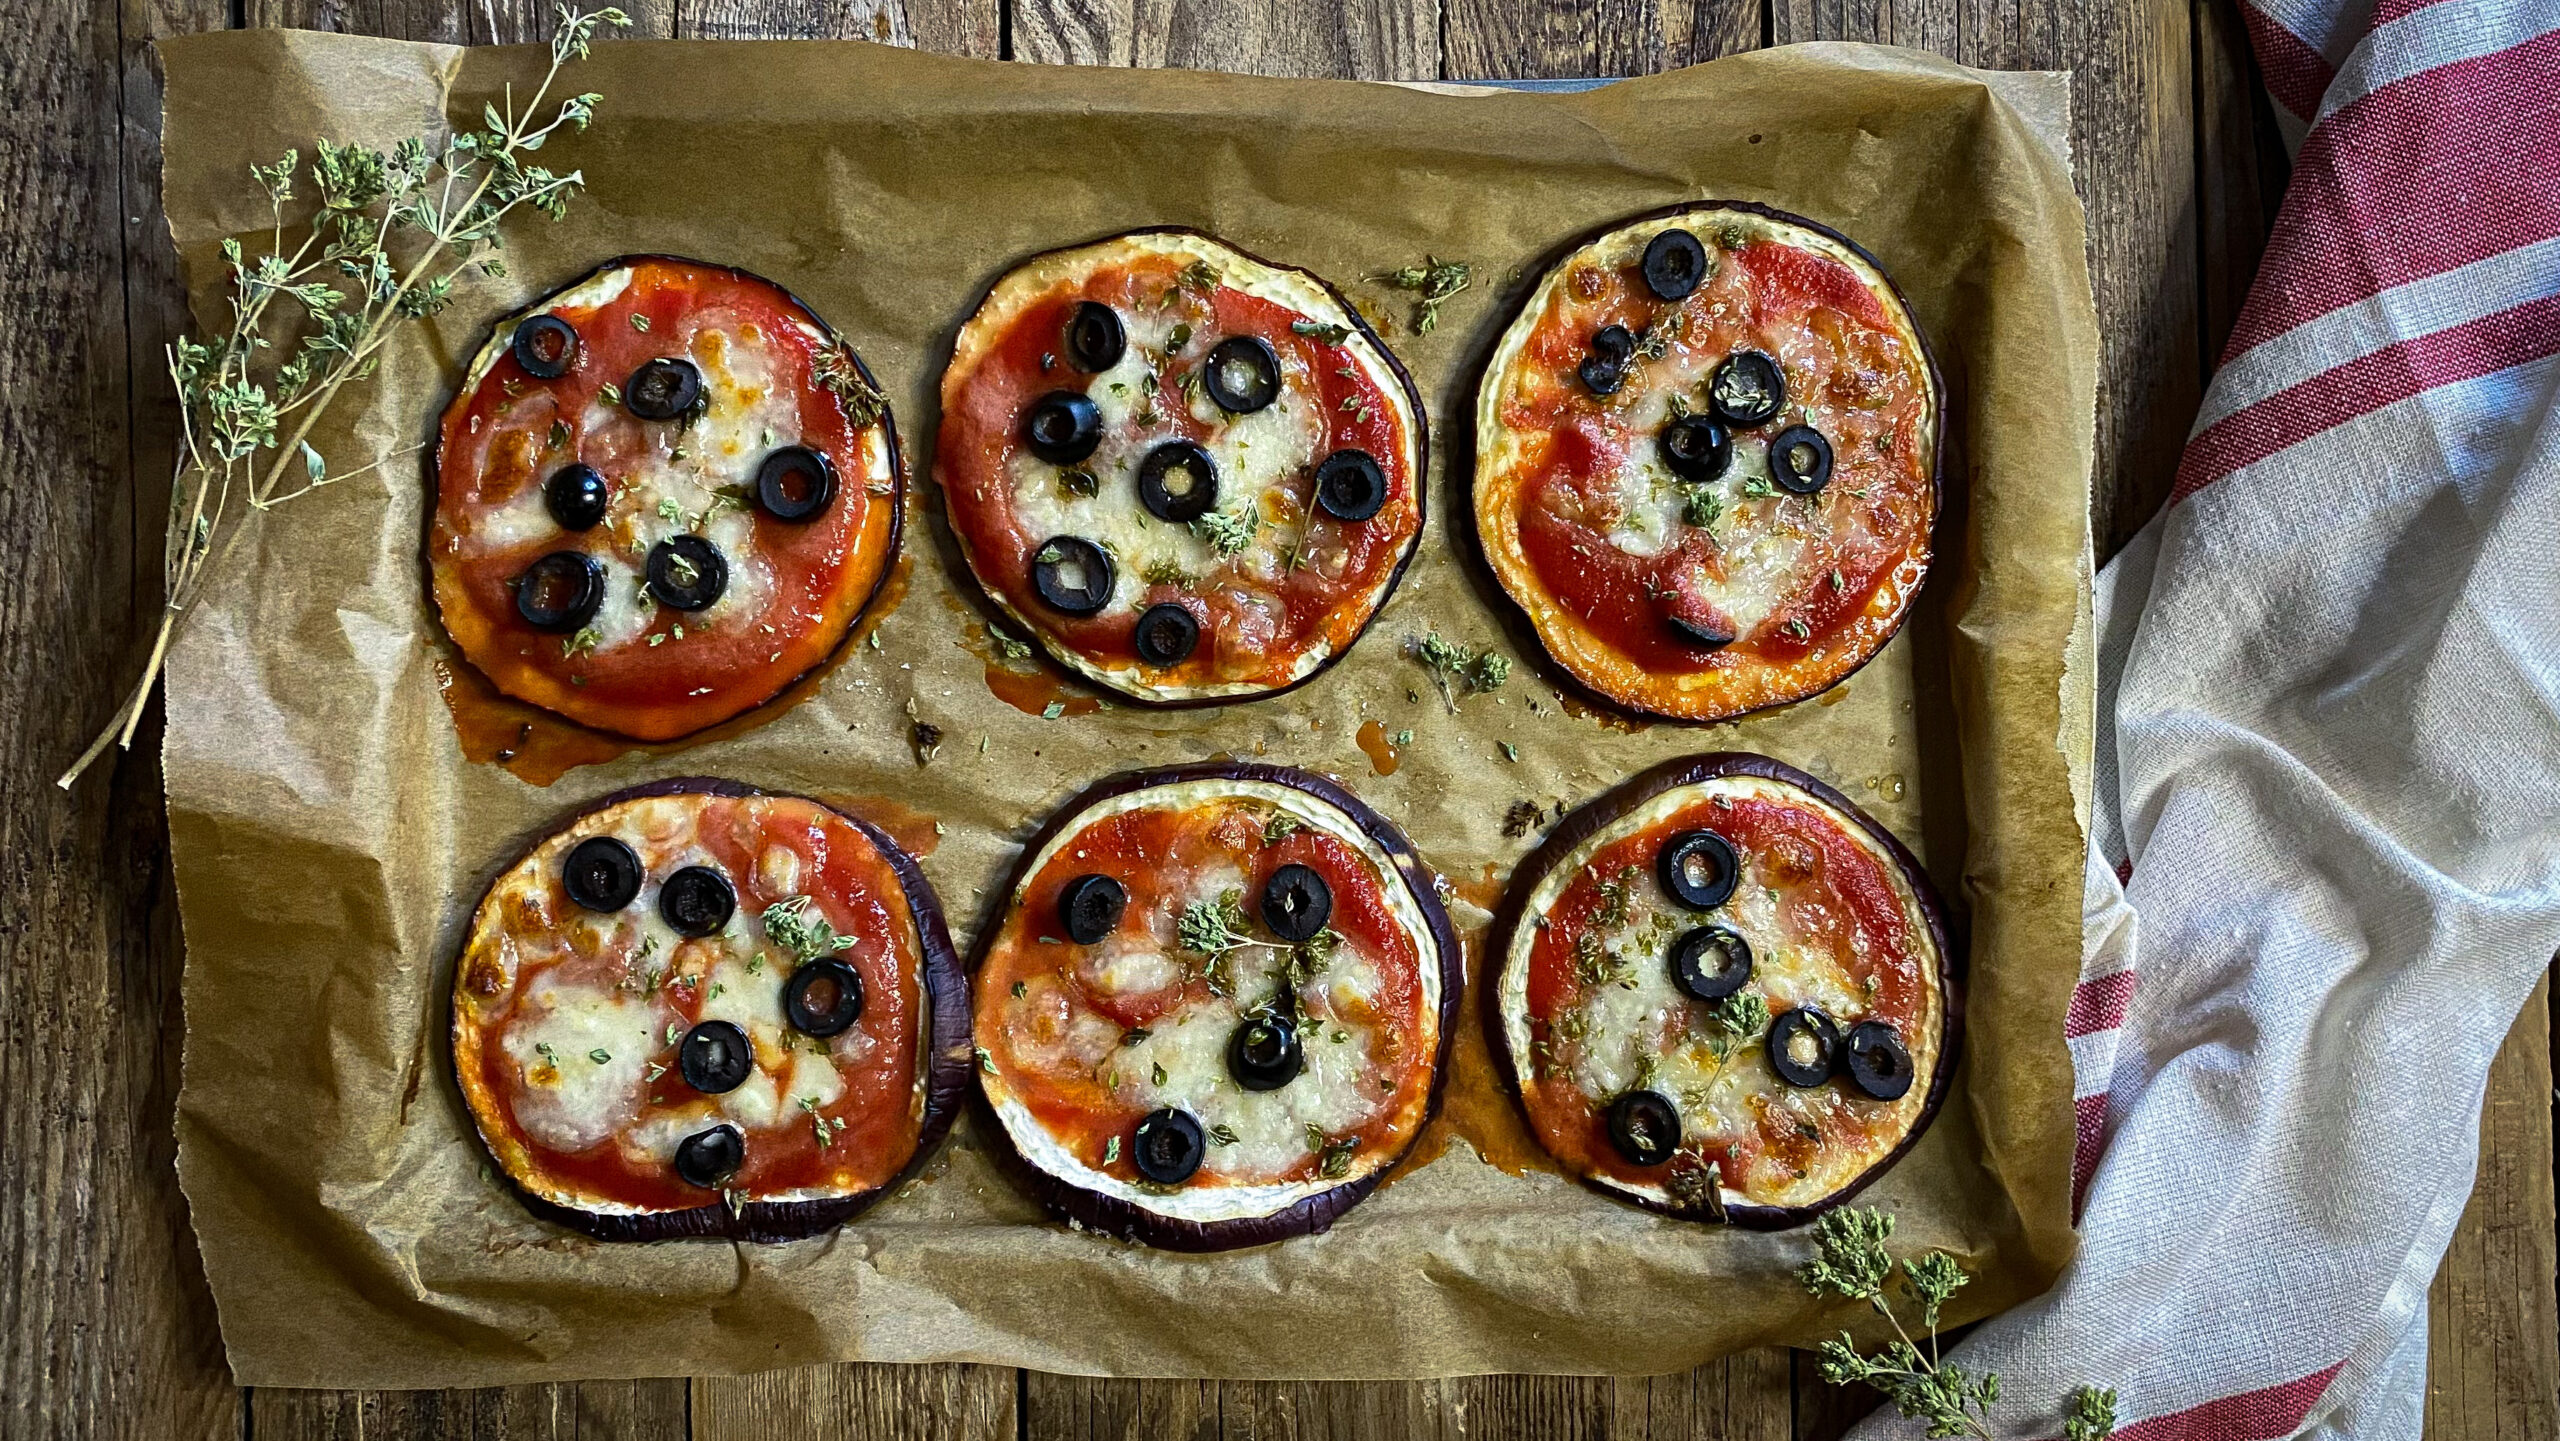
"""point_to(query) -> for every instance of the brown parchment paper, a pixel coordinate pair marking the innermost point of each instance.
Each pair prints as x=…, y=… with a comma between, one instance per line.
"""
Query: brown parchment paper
x=331, y=837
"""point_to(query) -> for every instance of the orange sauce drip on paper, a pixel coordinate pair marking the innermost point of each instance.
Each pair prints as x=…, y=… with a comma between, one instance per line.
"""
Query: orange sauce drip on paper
x=1030, y=691
x=1834, y=696
x=1476, y=1103
x=1384, y=756
x=915, y=831
x=1608, y=719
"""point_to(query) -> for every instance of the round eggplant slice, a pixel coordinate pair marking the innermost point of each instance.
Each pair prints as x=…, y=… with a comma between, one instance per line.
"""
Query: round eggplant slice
x=526, y=951
x=1696, y=447
x=796, y=484
x=687, y=573
x=1166, y=635
x=545, y=345
x=697, y=901
x=1876, y=1062
x=1062, y=427
x=715, y=1058
x=1242, y=374
x=576, y=496
x=1073, y=575
x=1698, y=869
x=1095, y=340
x=1178, y=482
x=1183, y=1150
x=1802, y=1046
x=1674, y=263
x=1089, y=907
x=1747, y=389
x=823, y=998
x=602, y=873
x=1800, y=460
x=1834, y=907
x=663, y=389
x=560, y=592
x=1350, y=486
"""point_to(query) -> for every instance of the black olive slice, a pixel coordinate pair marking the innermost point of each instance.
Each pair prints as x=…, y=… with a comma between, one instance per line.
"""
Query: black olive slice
x=1699, y=634
x=697, y=901
x=576, y=496
x=1166, y=635
x=1072, y=575
x=1710, y=963
x=823, y=997
x=1167, y=1147
x=707, y=1158
x=1614, y=343
x=1747, y=389
x=687, y=572
x=1696, y=447
x=1698, y=869
x=1296, y=902
x=1178, y=482
x=545, y=345
x=1800, y=460
x=1242, y=374
x=1801, y=1045
x=1350, y=485
x=1089, y=907
x=1601, y=375
x=561, y=591
x=1876, y=1061
x=1095, y=340
x=1674, y=263
x=1264, y=1053
x=715, y=1058
x=601, y=874
x=1062, y=427
x=663, y=389
x=1644, y=1127
x=796, y=483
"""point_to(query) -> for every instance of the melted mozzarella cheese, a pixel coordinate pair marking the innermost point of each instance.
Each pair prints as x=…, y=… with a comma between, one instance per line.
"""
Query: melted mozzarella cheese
x=579, y=1055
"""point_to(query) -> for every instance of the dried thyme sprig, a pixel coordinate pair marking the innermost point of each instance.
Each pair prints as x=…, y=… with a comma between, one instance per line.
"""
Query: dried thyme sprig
x=391, y=233
x=1432, y=282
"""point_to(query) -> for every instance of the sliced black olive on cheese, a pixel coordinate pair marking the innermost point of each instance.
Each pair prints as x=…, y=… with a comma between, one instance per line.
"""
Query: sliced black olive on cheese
x=687, y=572
x=663, y=389
x=697, y=901
x=601, y=874
x=1614, y=343
x=823, y=998
x=545, y=345
x=1072, y=575
x=715, y=1058
x=1877, y=1061
x=1178, y=482
x=1801, y=1046
x=1710, y=963
x=1264, y=1053
x=1696, y=447
x=1167, y=1146
x=1062, y=427
x=576, y=496
x=796, y=483
x=1674, y=263
x=1296, y=902
x=1644, y=1127
x=561, y=591
x=1800, y=459
x=1166, y=635
x=1242, y=374
x=1350, y=485
x=1089, y=907
x=1698, y=869
x=1601, y=375
x=1698, y=633
x=1747, y=389
x=708, y=1158
x=1095, y=339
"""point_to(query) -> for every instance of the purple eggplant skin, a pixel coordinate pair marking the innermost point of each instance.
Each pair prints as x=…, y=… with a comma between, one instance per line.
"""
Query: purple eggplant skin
x=1635, y=791
x=946, y=1062
x=1113, y=1216
x=1421, y=479
x=1471, y=537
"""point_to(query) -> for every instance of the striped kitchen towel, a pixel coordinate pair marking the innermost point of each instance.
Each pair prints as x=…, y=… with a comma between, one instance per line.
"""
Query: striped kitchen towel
x=2324, y=869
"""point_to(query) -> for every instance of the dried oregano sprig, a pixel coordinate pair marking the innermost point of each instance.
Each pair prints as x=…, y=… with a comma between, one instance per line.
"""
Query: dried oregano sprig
x=1850, y=1261
x=390, y=234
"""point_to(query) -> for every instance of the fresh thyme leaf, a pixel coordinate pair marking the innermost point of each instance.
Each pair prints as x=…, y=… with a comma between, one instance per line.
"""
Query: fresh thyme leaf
x=1134, y=1035
x=1157, y=1073
x=1198, y=276
x=1280, y=827
x=1077, y=483
x=986, y=1062
x=600, y=1055
x=2092, y=1416
x=1329, y=334
x=1111, y=1151
x=639, y=322
x=1225, y=1135
x=788, y=924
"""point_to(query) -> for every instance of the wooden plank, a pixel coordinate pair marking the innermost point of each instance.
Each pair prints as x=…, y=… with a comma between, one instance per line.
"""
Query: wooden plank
x=2493, y=1316
x=1552, y=39
x=1359, y=39
x=947, y=1403
x=2240, y=172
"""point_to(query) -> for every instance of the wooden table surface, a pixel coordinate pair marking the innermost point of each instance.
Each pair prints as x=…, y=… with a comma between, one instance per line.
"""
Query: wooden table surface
x=106, y=1328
